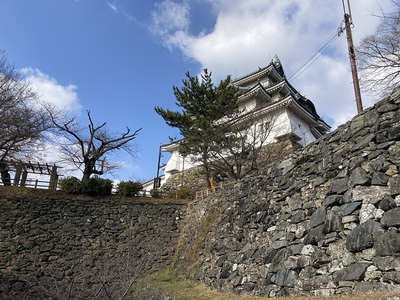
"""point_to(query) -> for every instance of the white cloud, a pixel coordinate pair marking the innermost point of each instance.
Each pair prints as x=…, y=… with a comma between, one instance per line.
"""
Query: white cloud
x=62, y=97
x=248, y=34
x=171, y=22
x=112, y=6
x=50, y=91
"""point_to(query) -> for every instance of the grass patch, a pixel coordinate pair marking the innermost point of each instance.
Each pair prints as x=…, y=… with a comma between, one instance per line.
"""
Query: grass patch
x=177, y=287
x=191, y=243
x=171, y=285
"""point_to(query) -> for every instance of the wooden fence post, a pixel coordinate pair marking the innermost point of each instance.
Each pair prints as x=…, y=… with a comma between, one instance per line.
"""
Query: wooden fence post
x=18, y=171
x=53, y=178
x=23, y=178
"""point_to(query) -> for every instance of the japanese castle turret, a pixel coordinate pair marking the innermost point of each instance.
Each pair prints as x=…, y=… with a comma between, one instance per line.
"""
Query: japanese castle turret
x=265, y=95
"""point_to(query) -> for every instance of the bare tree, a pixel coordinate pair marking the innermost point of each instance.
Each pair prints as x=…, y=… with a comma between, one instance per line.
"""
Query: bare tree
x=247, y=147
x=86, y=148
x=378, y=55
x=23, y=119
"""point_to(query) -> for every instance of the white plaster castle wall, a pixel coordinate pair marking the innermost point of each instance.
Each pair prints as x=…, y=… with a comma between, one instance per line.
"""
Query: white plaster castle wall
x=177, y=163
x=301, y=129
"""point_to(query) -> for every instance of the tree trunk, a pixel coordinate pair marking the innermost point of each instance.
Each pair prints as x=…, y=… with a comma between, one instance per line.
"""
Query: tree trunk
x=88, y=170
x=206, y=169
x=86, y=176
x=5, y=175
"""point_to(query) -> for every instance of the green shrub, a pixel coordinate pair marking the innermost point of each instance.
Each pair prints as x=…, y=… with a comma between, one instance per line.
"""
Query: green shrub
x=96, y=186
x=172, y=195
x=129, y=188
x=71, y=185
x=185, y=193
x=155, y=193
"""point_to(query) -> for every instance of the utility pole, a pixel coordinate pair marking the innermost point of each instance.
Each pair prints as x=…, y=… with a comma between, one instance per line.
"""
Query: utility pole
x=156, y=183
x=352, y=55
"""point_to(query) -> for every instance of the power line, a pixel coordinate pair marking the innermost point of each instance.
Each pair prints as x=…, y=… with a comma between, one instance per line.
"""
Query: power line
x=297, y=71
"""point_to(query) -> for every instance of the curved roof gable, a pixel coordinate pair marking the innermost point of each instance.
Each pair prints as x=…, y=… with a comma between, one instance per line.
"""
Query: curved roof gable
x=278, y=87
x=273, y=73
x=253, y=77
x=257, y=91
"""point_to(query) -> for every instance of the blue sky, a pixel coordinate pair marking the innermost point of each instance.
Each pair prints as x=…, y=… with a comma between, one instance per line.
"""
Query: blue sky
x=119, y=59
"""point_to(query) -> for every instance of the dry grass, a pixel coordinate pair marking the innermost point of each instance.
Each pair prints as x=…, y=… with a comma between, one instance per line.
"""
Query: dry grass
x=178, y=288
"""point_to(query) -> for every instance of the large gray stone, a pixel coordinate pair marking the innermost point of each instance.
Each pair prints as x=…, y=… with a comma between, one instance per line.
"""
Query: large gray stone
x=369, y=194
x=362, y=237
x=294, y=202
x=226, y=272
x=316, y=283
x=364, y=142
x=391, y=218
x=386, y=106
x=378, y=164
x=371, y=118
x=349, y=208
x=279, y=244
x=339, y=186
x=286, y=277
x=394, y=153
x=367, y=212
x=387, y=203
x=315, y=235
x=384, y=145
x=333, y=200
x=354, y=272
x=304, y=261
x=377, y=287
x=379, y=178
x=318, y=217
x=277, y=256
x=333, y=221
x=287, y=165
x=249, y=286
x=386, y=263
x=392, y=277
x=388, y=243
x=394, y=185
x=357, y=122
x=359, y=177
x=393, y=133
x=298, y=217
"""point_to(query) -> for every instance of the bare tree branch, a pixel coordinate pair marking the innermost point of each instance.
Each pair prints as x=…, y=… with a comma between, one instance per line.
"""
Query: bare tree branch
x=86, y=149
x=378, y=55
x=23, y=119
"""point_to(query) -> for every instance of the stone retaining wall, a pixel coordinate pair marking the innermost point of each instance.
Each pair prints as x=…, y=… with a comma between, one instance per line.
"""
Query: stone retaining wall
x=59, y=248
x=324, y=221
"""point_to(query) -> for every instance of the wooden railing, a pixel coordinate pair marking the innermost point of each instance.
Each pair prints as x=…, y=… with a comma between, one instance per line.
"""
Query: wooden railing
x=200, y=195
x=21, y=171
x=35, y=183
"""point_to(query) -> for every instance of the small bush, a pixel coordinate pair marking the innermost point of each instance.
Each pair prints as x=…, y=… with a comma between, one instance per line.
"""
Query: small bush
x=155, y=193
x=96, y=186
x=185, y=193
x=71, y=185
x=129, y=188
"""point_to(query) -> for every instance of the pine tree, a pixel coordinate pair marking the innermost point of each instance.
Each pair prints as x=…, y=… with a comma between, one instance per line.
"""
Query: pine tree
x=205, y=108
